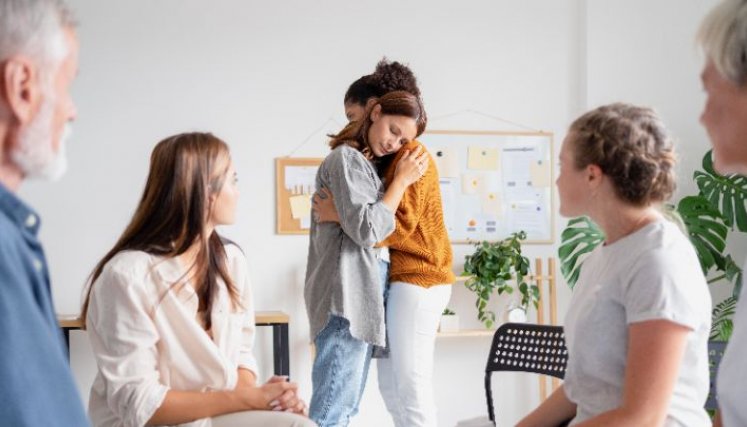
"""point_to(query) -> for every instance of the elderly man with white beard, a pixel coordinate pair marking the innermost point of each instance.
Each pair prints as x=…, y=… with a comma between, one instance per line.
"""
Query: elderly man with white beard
x=38, y=62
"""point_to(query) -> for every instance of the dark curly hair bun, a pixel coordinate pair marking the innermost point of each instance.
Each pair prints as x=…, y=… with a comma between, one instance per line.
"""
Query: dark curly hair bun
x=390, y=76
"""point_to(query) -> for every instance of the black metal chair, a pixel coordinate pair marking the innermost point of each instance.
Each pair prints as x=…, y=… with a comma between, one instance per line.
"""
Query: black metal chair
x=524, y=347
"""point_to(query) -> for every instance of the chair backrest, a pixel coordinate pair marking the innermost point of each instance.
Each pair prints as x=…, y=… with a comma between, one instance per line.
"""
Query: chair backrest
x=715, y=353
x=524, y=347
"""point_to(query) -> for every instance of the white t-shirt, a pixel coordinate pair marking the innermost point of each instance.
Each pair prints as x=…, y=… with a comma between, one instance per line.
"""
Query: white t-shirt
x=650, y=274
x=732, y=374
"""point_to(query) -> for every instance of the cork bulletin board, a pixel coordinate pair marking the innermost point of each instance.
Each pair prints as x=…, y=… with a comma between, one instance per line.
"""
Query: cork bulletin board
x=294, y=187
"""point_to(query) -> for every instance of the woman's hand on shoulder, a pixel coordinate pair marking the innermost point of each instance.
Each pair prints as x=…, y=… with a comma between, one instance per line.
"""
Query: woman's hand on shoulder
x=412, y=166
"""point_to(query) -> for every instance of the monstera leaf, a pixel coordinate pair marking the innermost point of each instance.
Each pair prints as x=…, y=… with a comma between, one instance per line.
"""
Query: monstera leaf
x=725, y=193
x=706, y=230
x=722, y=314
x=732, y=273
x=578, y=239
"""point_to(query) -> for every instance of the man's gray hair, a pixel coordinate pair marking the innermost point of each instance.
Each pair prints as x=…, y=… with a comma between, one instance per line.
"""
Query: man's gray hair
x=34, y=28
x=723, y=36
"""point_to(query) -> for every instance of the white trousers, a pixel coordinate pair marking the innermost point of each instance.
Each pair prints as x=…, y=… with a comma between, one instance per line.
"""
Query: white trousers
x=262, y=418
x=406, y=377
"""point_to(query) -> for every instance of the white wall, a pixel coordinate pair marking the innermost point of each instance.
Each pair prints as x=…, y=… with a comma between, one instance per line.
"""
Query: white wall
x=644, y=52
x=263, y=75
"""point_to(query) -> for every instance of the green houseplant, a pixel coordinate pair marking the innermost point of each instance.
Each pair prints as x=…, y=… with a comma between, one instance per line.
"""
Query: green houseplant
x=498, y=267
x=708, y=217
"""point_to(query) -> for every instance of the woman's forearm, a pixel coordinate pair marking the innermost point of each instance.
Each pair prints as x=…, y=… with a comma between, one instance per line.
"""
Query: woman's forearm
x=184, y=406
x=394, y=194
x=553, y=411
x=621, y=417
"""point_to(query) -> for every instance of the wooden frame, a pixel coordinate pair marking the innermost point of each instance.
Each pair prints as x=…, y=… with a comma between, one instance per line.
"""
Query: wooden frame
x=553, y=309
x=547, y=191
x=286, y=223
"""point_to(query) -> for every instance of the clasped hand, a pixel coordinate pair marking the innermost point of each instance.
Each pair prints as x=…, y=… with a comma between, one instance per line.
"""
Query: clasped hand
x=277, y=394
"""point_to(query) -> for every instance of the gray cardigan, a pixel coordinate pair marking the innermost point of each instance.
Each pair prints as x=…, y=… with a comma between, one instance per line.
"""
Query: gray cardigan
x=342, y=272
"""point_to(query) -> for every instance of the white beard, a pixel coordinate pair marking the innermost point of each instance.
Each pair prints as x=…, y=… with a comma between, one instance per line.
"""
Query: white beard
x=34, y=153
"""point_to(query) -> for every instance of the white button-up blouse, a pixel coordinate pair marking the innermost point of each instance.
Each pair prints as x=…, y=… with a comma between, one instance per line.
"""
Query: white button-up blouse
x=147, y=339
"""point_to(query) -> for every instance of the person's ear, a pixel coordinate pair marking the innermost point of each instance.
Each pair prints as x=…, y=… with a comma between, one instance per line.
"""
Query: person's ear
x=594, y=176
x=369, y=103
x=20, y=88
x=376, y=113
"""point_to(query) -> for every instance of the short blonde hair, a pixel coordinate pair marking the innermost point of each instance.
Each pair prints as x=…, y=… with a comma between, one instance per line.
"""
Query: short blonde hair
x=723, y=37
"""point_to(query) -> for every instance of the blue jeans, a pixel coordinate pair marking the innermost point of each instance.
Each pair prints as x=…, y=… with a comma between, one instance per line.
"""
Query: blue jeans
x=338, y=375
x=340, y=370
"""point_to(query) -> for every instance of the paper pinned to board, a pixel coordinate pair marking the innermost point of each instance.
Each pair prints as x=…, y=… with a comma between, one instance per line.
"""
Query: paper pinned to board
x=492, y=204
x=528, y=215
x=300, y=179
x=447, y=163
x=301, y=206
x=471, y=183
x=482, y=158
x=540, y=174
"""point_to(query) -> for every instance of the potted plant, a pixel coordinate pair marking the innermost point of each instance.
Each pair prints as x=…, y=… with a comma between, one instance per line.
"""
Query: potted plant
x=499, y=267
x=449, y=321
x=707, y=217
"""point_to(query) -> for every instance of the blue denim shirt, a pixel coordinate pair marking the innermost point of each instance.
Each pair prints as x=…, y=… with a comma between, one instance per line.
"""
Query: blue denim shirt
x=36, y=385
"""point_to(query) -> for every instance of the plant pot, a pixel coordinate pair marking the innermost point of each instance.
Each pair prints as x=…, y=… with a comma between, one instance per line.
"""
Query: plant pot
x=449, y=323
x=514, y=314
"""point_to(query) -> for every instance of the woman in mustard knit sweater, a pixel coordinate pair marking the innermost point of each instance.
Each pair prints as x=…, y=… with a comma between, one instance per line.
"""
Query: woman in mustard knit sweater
x=419, y=278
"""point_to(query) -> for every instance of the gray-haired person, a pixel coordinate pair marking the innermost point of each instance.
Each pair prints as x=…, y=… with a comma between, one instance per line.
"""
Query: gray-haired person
x=38, y=62
x=723, y=36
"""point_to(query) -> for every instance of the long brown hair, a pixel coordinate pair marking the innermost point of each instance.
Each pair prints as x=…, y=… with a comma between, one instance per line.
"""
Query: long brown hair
x=397, y=103
x=173, y=214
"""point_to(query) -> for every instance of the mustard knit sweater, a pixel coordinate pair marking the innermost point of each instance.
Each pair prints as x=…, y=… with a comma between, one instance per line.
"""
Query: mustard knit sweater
x=419, y=248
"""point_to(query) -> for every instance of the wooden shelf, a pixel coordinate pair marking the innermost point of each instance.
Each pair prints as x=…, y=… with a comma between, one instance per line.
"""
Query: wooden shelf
x=467, y=333
x=527, y=278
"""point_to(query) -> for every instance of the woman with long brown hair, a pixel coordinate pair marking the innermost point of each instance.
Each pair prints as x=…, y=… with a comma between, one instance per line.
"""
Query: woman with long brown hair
x=169, y=308
x=344, y=299
x=418, y=275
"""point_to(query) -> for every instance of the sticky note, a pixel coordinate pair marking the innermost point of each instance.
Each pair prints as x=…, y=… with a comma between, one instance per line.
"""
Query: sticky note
x=300, y=206
x=492, y=204
x=446, y=162
x=471, y=183
x=482, y=158
x=540, y=174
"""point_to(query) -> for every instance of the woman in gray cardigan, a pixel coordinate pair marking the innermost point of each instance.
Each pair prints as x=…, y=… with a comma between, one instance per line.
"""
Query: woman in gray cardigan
x=343, y=289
